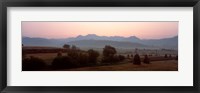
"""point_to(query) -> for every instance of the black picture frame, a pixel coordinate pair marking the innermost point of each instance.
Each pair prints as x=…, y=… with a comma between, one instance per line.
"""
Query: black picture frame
x=98, y=3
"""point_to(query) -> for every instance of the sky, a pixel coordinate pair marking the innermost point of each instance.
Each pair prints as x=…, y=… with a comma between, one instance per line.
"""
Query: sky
x=60, y=30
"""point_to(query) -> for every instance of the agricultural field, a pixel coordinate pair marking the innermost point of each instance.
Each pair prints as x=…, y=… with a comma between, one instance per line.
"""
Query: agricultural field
x=168, y=65
x=158, y=59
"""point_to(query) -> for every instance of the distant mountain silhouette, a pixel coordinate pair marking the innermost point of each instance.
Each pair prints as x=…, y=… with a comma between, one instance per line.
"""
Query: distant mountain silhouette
x=96, y=37
x=95, y=40
x=27, y=41
x=166, y=42
x=102, y=43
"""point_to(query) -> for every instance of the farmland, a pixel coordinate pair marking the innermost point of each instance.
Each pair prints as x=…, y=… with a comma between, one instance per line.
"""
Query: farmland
x=158, y=61
x=169, y=65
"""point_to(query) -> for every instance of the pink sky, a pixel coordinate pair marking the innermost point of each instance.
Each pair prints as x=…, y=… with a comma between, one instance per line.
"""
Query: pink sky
x=143, y=30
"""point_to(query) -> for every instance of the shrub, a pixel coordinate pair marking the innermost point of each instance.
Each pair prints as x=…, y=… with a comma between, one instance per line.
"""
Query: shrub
x=170, y=56
x=59, y=54
x=73, y=54
x=121, y=57
x=166, y=56
x=146, y=59
x=111, y=60
x=33, y=64
x=128, y=56
x=66, y=46
x=136, y=60
x=131, y=55
x=63, y=62
x=115, y=59
x=74, y=47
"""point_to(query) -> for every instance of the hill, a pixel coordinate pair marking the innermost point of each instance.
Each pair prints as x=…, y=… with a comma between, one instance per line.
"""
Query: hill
x=102, y=43
x=92, y=40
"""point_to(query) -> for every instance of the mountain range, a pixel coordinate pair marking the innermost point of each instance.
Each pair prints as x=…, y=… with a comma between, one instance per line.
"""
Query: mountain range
x=95, y=41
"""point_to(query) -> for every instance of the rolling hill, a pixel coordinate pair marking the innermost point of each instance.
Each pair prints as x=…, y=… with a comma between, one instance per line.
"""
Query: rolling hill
x=92, y=40
x=102, y=43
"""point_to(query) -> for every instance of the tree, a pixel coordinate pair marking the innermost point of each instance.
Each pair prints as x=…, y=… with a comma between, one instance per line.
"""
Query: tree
x=59, y=54
x=115, y=58
x=109, y=51
x=131, y=55
x=166, y=56
x=83, y=59
x=108, y=54
x=73, y=53
x=128, y=56
x=93, y=55
x=33, y=64
x=136, y=60
x=62, y=62
x=121, y=57
x=170, y=56
x=146, y=59
x=74, y=47
x=66, y=46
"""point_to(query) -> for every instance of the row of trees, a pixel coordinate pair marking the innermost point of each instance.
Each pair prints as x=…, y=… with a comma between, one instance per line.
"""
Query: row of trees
x=74, y=57
x=137, y=60
x=33, y=64
x=146, y=60
x=78, y=58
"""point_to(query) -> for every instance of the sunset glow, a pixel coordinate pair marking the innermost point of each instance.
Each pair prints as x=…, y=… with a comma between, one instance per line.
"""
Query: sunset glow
x=143, y=30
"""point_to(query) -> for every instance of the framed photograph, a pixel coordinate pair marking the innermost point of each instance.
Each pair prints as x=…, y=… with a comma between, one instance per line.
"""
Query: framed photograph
x=99, y=46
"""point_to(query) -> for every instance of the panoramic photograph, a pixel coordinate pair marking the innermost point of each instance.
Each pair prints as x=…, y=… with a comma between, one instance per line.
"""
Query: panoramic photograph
x=99, y=46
